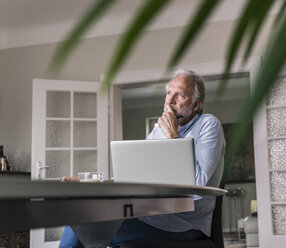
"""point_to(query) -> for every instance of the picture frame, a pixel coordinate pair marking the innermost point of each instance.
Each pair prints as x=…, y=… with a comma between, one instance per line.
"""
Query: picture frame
x=242, y=165
x=150, y=124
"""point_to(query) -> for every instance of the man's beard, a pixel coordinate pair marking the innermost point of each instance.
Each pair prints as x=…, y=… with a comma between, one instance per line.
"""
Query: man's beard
x=184, y=113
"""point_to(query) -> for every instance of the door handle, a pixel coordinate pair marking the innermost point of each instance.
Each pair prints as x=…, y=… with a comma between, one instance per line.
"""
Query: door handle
x=41, y=167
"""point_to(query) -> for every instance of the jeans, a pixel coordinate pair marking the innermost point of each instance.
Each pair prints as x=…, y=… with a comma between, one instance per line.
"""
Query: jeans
x=69, y=239
x=132, y=229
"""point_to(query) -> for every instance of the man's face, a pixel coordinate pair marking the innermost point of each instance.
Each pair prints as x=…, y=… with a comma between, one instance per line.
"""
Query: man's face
x=179, y=96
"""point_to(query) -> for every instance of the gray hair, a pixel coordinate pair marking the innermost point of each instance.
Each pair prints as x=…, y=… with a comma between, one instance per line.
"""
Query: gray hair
x=199, y=85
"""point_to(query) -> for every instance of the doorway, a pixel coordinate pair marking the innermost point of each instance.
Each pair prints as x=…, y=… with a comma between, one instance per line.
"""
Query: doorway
x=142, y=104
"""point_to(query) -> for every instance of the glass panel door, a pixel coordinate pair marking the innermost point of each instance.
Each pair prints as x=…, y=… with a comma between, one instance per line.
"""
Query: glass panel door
x=58, y=130
x=66, y=137
x=85, y=132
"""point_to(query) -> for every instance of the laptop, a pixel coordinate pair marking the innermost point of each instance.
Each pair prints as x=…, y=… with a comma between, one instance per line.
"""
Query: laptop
x=166, y=161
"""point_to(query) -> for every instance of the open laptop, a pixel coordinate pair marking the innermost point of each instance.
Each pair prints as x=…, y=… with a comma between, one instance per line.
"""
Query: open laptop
x=166, y=161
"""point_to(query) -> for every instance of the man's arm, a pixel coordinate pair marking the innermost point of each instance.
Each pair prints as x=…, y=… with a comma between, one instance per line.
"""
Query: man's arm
x=209, y=149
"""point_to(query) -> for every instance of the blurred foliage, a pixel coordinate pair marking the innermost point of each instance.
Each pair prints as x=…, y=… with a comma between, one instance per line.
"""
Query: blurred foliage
x=246, y=31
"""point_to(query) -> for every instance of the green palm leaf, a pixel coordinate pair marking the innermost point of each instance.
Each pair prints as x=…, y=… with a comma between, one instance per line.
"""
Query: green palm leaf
x=281, y=13
x=192, y=30
x=72, y=39
x=256, y=26
x=249, y=12
x=246, y=30
x=274, y=62
x=146, y=13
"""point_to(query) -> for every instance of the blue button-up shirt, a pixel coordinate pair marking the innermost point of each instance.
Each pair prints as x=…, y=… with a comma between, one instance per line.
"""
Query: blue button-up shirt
x=207, y=132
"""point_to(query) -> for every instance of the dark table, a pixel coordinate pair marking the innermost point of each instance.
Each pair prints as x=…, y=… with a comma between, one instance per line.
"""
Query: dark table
x=102, y=206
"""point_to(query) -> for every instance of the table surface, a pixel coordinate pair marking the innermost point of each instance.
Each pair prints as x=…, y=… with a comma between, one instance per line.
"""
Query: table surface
x=50, y=189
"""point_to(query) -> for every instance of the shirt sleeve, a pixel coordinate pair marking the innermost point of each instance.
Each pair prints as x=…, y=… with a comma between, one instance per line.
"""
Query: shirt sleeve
x=209, y=148
x=151, y=135
x=156, y=133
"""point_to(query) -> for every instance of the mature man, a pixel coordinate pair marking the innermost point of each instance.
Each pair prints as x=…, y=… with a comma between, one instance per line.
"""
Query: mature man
x=182, y=118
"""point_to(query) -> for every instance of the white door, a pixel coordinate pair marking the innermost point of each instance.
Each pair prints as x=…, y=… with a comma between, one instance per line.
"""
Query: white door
x=270, y=156
x=69, y=135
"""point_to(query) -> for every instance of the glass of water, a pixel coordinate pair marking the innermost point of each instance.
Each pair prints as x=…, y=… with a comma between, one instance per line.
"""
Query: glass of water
x=90, y=177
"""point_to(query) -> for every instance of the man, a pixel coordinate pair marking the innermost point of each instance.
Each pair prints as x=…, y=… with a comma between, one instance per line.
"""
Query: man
x=182, y=118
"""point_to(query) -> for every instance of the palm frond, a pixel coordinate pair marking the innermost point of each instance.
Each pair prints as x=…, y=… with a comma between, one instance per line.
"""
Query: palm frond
x=192, y=30
x=281, y=13
x=144, y=16
x=249, y=12
x=275, y=59
x=257, y=25
x=246, y=30
x=72, y=39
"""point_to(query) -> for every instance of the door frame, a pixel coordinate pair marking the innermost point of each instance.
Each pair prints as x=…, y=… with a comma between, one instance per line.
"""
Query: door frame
x=129, y=78
x=252, y=66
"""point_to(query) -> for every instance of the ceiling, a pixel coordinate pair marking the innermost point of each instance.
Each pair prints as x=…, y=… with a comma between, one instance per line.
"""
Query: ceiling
x=15, y=14
x=30, y=22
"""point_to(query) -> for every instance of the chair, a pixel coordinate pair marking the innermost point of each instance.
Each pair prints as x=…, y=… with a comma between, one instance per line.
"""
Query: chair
x=216, y=240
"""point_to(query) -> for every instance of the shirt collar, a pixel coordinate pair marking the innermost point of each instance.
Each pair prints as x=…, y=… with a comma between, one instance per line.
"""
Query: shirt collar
x=185, y=128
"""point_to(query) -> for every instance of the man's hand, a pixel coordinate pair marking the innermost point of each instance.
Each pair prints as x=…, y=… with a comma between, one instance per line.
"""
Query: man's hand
x=70, y=179
x=169, y=123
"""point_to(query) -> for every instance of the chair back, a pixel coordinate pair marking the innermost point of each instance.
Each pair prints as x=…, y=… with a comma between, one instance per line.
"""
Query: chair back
x=216, y=231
